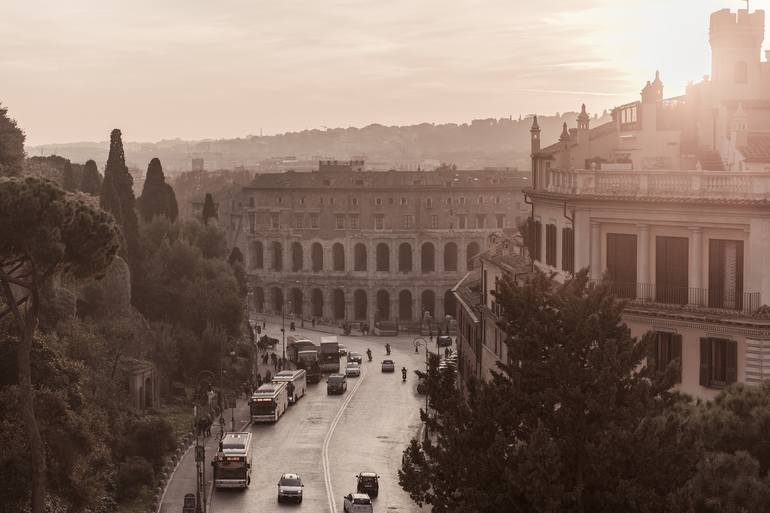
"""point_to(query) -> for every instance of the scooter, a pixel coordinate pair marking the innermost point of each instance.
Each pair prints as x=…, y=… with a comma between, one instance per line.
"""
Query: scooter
x=387, y=349
x=403, y=375
x=369, y=354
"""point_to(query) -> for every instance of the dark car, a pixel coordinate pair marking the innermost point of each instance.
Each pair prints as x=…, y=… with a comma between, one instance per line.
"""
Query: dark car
x=336, y=384
x=444, y=341
x=355, y=357
x=368, y=483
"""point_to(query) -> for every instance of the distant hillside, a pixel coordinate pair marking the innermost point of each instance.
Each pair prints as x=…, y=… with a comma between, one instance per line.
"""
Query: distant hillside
x=481, y=143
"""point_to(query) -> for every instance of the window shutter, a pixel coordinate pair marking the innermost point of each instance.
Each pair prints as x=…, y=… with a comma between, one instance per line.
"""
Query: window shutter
x=739, y=276
x=676, y=353
x=705, y=361
x=732, y=361
x=716, y=276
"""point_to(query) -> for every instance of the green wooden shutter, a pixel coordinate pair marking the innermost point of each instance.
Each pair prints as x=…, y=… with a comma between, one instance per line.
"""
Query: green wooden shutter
x=676, y=352
x=705, y=362
x=732, y=361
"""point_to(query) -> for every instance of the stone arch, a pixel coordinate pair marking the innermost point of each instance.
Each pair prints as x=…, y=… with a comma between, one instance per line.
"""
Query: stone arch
x=383, y=257
x=383, y=305
x=450, y=256
x=360, y=257
x=296, y=298
x=338, y=303
x=317, y=303
x=428, y=257
x=338, y=257
x=405, y=305
x=257, y=257
x=450, y=304
x=276, y=299
x=317, y=257
x=360, y=306
x=277, y=253
x=428, y=303
x=405, y=257
x=259, y=299
x=297, y=257
x=471, y=251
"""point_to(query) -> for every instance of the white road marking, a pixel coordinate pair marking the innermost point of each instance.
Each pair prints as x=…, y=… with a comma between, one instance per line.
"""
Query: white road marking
x=325, y=451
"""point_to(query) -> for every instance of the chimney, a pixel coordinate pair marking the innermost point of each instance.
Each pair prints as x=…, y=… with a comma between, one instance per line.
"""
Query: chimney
x=583, y=122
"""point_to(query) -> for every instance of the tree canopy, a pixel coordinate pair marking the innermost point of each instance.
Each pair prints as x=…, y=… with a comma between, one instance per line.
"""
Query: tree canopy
x=92, y=180
x=11, y=145
x=157, y=197
x=68, y=178
x=209, y=209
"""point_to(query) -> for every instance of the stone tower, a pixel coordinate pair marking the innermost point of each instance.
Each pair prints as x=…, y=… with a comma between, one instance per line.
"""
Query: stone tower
x=736, y=46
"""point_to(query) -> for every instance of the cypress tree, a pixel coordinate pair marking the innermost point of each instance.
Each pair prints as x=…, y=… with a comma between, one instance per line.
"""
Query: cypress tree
x=68, y=178
x=92, y=180
x=158, y=198
x=11, y=145
x=209, y=209
x=117, y=197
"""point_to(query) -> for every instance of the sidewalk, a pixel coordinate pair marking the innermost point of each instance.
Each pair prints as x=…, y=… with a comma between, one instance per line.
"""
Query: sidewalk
x=183, y=480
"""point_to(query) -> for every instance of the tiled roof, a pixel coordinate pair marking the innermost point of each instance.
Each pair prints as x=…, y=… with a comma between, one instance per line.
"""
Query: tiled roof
x=594, y=133
x=757, y=149
x=468, y=291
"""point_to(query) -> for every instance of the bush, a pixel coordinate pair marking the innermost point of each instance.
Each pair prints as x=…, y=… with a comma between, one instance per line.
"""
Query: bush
x=151, y=439
x=133, y=474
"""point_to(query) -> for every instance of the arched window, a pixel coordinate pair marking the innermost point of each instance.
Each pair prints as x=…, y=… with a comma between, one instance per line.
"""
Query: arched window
x=296, y=301
x=360, y=307
x=338, y=257
x=257, y=255
x=383, y=257
x=296, y=257
x=317, y=257
x=428, y=303
x=383, y=305
x=450, y=256
x=277, y=299
x=338, y=301
x=405, y=258
x=450, y=304
x=317, y=302
x=277, y=256
x=471, y=251
x=428, y=257
x=359, y=257
x=405, y=305
x=259, y=299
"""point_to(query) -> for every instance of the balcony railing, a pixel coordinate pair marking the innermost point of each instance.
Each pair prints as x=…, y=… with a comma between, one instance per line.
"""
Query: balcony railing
x=657, y=183
x=650, y=293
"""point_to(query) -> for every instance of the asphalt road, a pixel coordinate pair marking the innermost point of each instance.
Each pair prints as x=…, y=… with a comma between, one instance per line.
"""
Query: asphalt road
x=365, y=429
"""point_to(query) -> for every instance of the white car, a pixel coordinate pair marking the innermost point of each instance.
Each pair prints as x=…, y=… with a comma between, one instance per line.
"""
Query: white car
x=352, y=369
x=290, y=488
x=357, y=503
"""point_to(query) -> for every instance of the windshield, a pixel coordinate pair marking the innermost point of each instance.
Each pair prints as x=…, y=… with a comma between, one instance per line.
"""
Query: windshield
x=231, y=470
x=262, y=407
x=367, y=480
x=285, y=481
x=364, y=500
x=336, y=379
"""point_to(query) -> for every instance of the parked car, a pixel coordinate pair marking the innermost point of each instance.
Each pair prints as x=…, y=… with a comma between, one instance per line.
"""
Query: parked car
x=343, y=350
x=357, y=503
x=368, y=483
x=444, y=341
x=290, y=488
x=336, y=384
x=352, y=369
x=388, y=366
x=355, y=357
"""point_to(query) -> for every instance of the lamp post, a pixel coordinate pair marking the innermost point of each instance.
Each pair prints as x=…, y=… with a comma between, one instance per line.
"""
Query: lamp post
x=417, y=342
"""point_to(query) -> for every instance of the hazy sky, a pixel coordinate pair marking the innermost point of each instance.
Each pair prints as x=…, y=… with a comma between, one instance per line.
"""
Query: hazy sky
x=72, y=70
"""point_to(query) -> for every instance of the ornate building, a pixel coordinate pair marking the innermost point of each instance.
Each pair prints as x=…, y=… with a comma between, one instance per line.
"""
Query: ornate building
x=669, y=201
x=341, y=243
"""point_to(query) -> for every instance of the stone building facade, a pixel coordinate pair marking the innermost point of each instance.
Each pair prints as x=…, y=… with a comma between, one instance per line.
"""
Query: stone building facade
x=343, y=244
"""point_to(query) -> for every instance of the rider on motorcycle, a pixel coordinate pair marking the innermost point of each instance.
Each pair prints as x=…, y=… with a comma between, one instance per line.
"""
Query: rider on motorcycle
x=369, y=354
x=387, y=348
x=403, y=373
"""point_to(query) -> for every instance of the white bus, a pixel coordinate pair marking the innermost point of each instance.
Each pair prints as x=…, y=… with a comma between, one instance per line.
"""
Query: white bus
x=232, y=464
x=296, y=383
x=269, y=402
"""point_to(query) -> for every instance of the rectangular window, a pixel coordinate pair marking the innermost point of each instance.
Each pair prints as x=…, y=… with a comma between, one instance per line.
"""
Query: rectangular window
x=568, y=250
x=279, y=199
x=331, y=201
x=449, y=201
x=434, y=222
x=298, y=221
x=497, y=200
x=536, y=240
x=500, y=220
x=671, y=270
x=403, y=201
x=379, y=222
x=718, y=362
x=550, y=245
x=339, y=222
x=354, y=201
x=462, y=200
x=302, y=200
x=429, y=203
x=461, y=222
x=274, y=221
x=621, y=263
x=408, y=221
x=390, y=201
x=354, y=223
x=481, y=200
x=252, y=202
x=667, y=349
x=320, y=201
x=314, y=220
x=725, y=287
x=378, y=201
x=252, y=222
x=480, y=221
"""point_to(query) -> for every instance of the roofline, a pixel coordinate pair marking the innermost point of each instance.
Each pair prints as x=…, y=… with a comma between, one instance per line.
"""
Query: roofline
x=455, y=291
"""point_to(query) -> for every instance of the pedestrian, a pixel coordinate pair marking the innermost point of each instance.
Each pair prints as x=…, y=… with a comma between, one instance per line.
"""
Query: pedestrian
x=264, y=358
x=268, y=376
x=274, y=359
x=313, y=322
x=264, y=325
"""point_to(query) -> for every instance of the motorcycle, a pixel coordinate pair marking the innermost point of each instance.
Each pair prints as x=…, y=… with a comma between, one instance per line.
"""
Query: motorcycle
x=403, y=374
x=387, y=349
x=369, y=354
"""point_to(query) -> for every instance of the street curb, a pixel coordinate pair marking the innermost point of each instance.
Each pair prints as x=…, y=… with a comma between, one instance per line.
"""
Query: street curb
x=168, y=479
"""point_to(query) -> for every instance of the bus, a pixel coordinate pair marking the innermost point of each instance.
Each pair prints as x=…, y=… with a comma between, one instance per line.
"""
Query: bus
x=329, y=356
x=232, y=464
x=269, y=402
x=296, y=383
